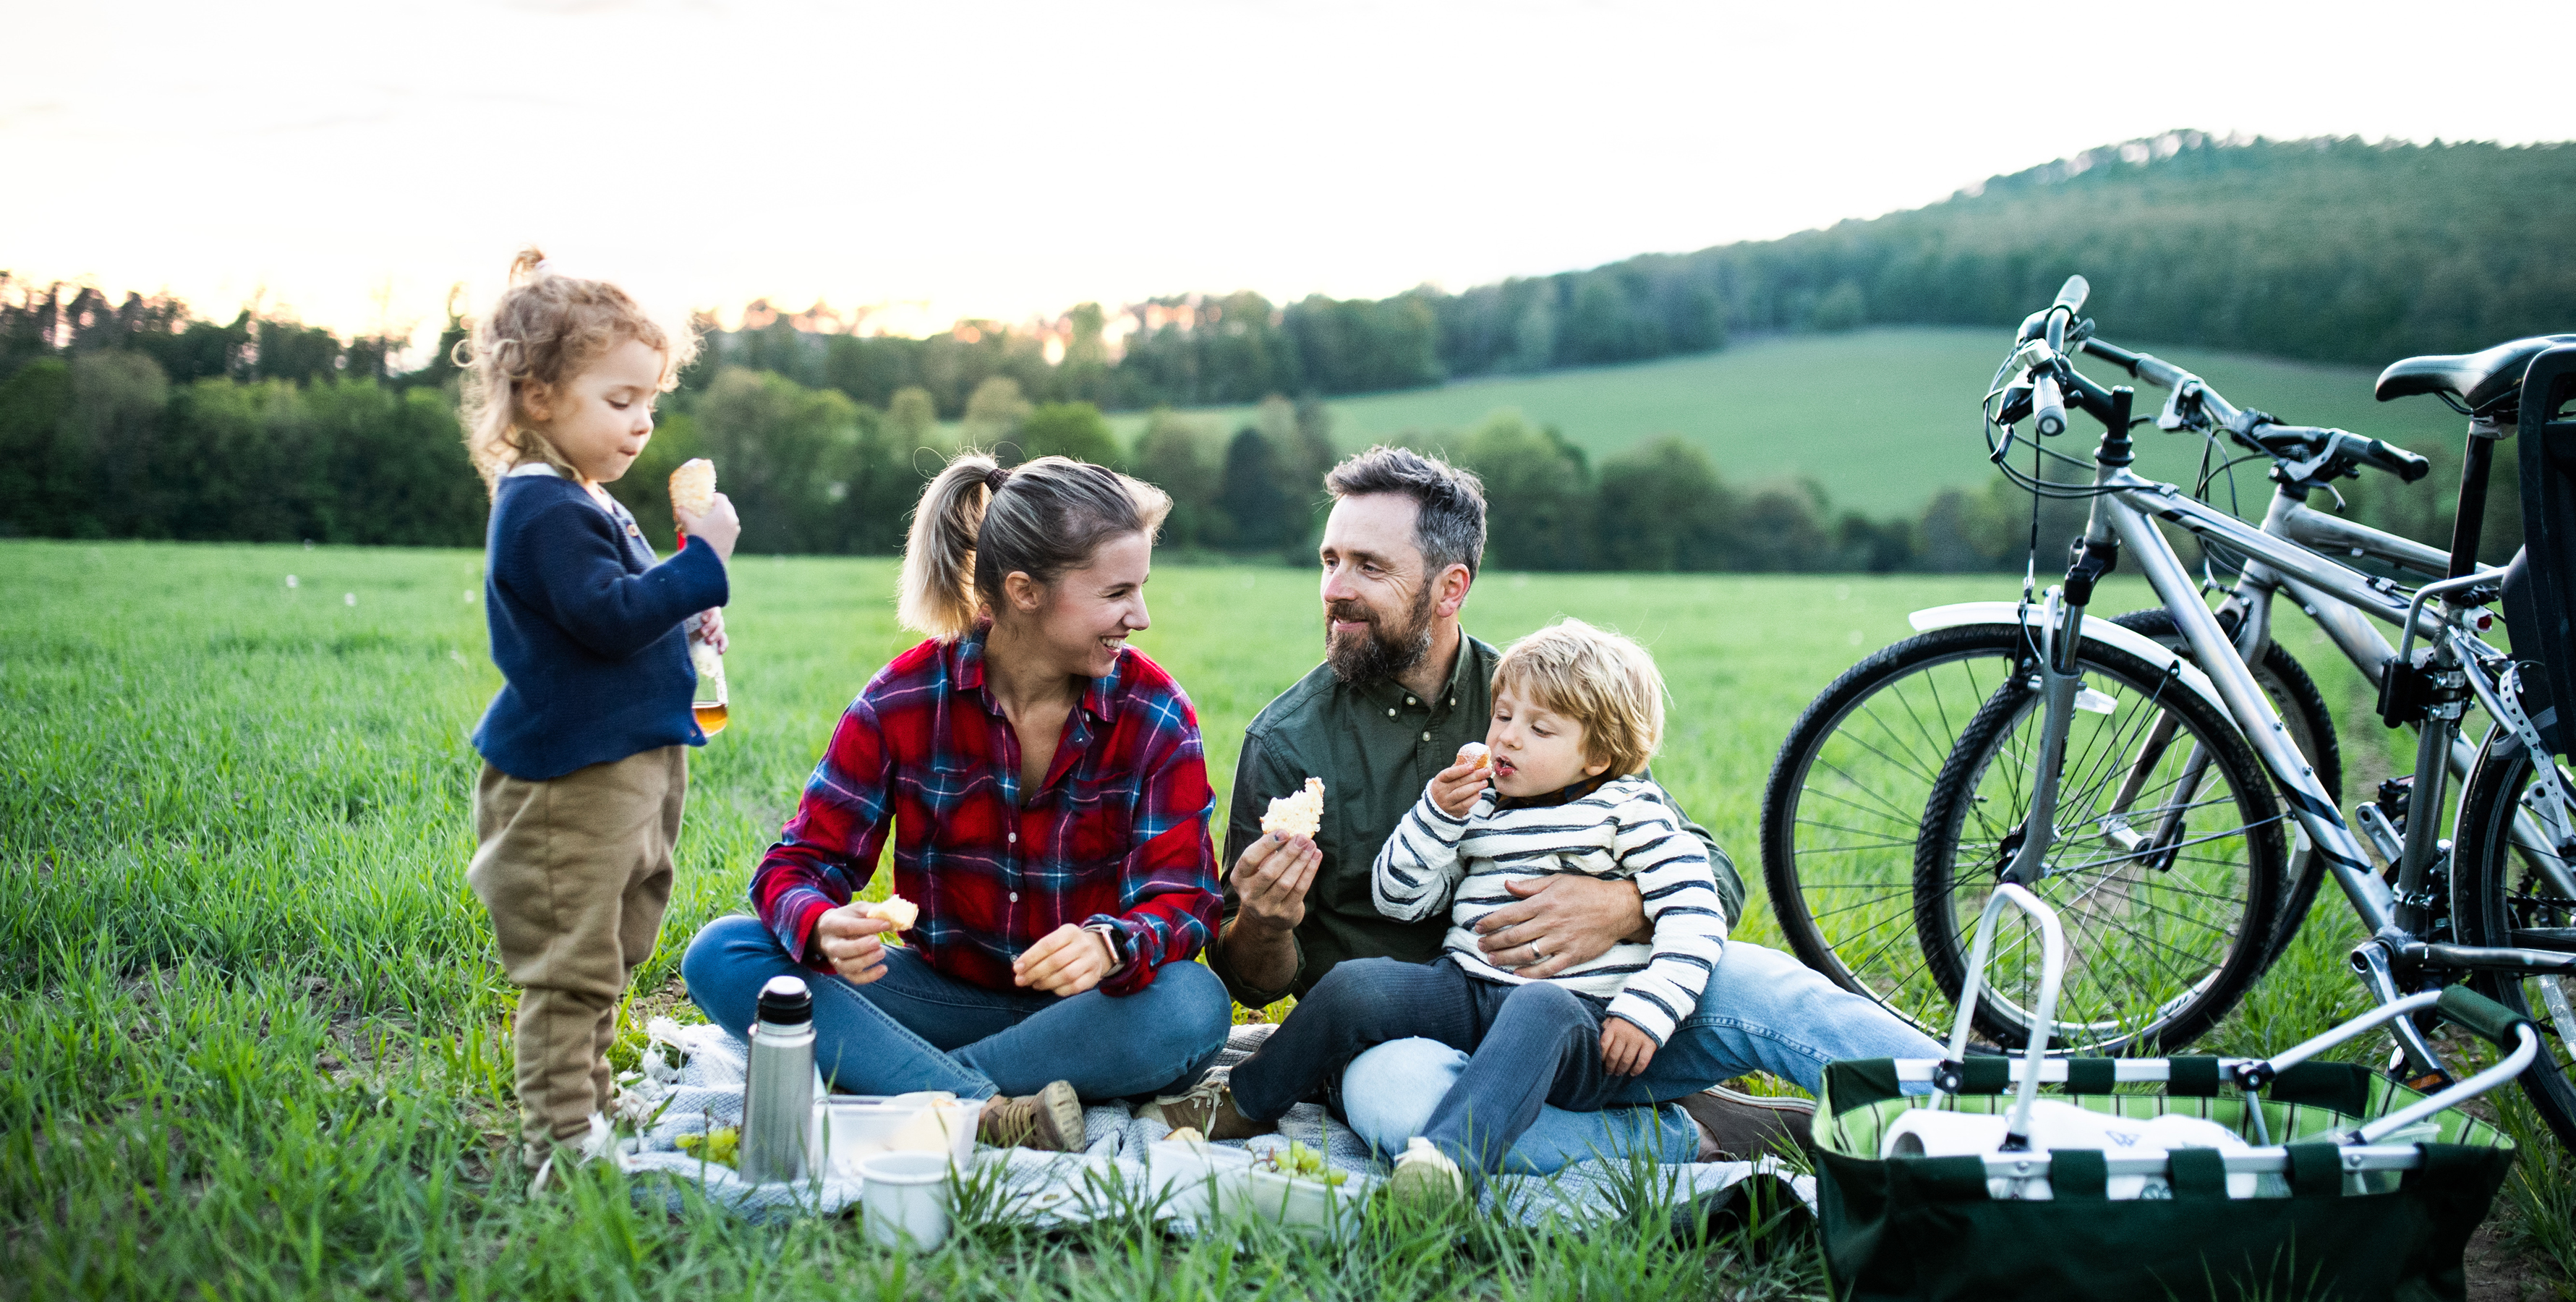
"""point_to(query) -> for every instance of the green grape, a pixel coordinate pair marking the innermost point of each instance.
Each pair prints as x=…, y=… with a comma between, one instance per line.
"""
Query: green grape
x=719, y=1146
x=1302, y=1163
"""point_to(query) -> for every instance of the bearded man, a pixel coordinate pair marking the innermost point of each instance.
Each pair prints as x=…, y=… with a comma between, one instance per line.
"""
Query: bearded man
x=1402, y=687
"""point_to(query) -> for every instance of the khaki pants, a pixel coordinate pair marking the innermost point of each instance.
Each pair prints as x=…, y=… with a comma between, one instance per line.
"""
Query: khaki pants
x=576, y=871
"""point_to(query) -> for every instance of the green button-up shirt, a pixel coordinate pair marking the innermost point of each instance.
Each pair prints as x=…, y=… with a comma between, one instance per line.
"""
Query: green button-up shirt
x=1376, y=746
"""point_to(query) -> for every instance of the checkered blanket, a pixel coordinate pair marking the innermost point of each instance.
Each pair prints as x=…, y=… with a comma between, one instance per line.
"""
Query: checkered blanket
x=692, y=1083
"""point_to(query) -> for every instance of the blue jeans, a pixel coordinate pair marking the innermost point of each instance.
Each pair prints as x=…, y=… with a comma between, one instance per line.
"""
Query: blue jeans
x=1762, y=1011
x=913, y=1029
x=1527, y=1045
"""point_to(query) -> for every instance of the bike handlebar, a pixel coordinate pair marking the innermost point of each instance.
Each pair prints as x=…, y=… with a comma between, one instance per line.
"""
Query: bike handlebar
x=2298, y=443
x=2308, y=443
x=2047, y=405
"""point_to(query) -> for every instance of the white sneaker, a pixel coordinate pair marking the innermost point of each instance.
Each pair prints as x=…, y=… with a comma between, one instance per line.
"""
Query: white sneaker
x=595, y=1143
x=1425, y=1177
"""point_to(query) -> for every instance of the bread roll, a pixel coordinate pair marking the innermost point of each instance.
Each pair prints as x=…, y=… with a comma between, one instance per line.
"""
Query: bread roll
x=897, y=910
x=1299, y=813
x=693, y=486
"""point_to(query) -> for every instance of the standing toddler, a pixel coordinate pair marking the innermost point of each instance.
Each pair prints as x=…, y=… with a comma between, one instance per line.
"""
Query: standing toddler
x=584, y=769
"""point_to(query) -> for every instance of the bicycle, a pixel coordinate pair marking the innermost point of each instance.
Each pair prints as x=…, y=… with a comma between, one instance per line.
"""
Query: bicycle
x=1867, y=734
x=2169, y=1002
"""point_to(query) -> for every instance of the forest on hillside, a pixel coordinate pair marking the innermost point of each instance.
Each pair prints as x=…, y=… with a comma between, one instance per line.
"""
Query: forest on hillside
x=139, y=419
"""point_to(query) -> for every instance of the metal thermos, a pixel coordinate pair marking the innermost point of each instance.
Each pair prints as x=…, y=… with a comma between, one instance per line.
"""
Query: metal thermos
x=778, y=1100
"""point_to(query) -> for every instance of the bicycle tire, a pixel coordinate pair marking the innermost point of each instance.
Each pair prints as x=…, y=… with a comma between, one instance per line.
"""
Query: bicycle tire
x=2160, y=944
x=1843, y=805
x=2311, y=727
x=2499, y=898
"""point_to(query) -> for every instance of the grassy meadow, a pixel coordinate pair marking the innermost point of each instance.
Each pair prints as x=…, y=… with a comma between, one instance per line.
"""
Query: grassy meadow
x=1884, y=417
x=253, y=1040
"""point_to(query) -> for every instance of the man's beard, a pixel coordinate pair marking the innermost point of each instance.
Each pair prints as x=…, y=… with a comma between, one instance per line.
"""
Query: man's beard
x=1379, y=653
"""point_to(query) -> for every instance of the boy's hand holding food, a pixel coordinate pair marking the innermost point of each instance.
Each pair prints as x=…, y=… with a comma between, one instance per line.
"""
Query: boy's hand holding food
x=1455, y=788
x=1625, y=1049
x=1066, y=961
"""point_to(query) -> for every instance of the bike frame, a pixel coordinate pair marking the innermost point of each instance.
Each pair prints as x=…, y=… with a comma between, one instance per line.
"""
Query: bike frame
x=2285, y=554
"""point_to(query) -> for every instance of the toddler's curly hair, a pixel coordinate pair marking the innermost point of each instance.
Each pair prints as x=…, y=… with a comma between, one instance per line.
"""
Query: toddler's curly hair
x=545, y=328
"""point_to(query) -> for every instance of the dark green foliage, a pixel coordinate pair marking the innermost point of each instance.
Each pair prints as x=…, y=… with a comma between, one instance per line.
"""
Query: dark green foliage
x=1539, y=495
x=1070, y=429
x=1184, y=459
x=1255, y=494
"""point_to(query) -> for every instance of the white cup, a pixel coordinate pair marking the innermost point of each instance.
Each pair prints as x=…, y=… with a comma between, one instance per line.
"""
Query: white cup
x=905, y=1196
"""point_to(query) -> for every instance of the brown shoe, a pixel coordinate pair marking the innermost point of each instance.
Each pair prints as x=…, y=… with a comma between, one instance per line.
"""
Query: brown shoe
x=1739, y=1127
x=1207, y=1108
x=1049, y=1120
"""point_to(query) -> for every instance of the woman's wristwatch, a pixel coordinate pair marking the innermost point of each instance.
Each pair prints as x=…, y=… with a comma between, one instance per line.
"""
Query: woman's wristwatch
x=1117, y=942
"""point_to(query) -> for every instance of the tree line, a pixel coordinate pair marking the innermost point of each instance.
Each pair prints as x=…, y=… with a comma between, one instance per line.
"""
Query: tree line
x=2326, y=249
x=137, y=419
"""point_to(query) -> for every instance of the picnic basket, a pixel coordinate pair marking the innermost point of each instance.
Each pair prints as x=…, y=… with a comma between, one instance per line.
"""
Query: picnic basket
x=2340, y=1209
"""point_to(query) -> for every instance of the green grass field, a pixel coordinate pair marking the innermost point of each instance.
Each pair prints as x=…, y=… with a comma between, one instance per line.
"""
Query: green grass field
x=252, y=1038
x=1882, y=418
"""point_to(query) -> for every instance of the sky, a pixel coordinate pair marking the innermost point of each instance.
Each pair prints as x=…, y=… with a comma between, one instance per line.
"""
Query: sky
x=349, y=163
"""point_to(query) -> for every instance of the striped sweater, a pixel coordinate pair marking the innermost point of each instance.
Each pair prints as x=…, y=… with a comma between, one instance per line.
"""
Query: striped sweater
x=1624, y=829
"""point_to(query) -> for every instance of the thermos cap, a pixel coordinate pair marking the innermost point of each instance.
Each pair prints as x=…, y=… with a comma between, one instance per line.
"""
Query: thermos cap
x=786, y=1001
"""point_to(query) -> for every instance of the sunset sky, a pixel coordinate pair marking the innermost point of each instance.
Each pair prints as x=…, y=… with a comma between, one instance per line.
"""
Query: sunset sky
x=348, y=163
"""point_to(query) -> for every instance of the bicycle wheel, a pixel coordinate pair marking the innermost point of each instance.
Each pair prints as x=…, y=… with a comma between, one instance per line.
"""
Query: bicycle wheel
x=1844, y=805
x=2166, y=865
x=2502, y=895
x=2311, y=727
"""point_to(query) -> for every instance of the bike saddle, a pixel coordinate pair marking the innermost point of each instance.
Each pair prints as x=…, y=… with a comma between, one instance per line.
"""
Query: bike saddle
x=2478, y=378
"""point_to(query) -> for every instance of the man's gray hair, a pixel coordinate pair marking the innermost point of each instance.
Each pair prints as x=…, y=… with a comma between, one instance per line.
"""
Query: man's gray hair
x=1451, y=527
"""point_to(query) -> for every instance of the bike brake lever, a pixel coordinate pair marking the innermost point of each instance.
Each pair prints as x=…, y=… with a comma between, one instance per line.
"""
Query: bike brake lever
x=2185, y=394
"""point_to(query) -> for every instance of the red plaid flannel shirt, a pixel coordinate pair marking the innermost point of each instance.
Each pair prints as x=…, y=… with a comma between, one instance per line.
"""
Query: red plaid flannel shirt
x=1117, y=834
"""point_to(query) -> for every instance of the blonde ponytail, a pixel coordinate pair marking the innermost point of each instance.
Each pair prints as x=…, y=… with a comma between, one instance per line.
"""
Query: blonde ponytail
x=978, y=524
x=936, y=595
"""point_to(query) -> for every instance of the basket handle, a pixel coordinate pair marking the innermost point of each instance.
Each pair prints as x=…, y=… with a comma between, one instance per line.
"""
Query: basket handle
x=2052, y=970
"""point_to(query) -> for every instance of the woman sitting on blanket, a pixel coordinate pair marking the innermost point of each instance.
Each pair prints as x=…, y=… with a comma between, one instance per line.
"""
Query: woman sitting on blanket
x=1043, y=785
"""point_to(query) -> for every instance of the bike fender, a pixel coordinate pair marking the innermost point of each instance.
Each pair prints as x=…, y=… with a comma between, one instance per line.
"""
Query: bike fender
x=2100, y=631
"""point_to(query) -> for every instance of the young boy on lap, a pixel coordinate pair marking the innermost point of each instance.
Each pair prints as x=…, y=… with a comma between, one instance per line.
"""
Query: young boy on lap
x=1577, y=714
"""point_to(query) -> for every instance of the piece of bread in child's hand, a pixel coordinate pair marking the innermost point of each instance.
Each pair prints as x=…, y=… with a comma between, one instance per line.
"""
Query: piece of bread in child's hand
x=1474, y=753
x=897, y=910
x=1299, y=813
x=693, y=486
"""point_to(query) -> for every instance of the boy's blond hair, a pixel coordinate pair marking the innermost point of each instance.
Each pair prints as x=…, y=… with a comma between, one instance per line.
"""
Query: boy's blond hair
x=544, y=330
x=1604, y=681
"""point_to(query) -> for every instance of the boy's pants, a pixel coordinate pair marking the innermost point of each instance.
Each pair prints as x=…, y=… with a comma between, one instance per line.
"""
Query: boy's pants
x=576, y=871
x=1530, y=1044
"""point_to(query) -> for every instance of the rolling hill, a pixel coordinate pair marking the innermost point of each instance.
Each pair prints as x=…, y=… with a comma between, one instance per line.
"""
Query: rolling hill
x=1881, y=419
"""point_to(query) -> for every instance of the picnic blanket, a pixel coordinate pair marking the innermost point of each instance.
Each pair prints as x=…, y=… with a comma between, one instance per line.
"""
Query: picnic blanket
x=692, y=1083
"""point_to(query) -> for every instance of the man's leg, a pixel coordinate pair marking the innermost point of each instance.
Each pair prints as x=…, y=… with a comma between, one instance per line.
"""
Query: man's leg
x=859, y=1047
x=1765, y=1011
x=1361, y=1002
x=1390, y=1092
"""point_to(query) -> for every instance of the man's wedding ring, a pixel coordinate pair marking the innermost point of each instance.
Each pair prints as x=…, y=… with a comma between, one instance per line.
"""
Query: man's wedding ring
x=1536, y=954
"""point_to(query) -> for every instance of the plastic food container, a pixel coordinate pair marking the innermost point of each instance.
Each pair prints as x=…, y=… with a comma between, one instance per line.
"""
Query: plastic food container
x=1182, y=1175
x=1293, y=1200
x=852, y=1128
